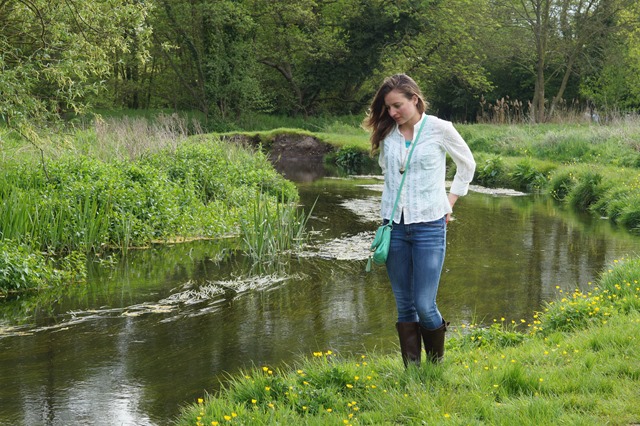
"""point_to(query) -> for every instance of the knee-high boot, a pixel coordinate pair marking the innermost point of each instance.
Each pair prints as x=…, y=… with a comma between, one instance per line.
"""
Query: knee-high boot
x=434, y=342
x=410, y=345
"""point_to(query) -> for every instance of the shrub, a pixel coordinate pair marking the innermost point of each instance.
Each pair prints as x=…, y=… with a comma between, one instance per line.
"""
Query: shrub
x=350, y=159
x=526, y=177
x=23, y=268
x=492, y=172
x=587, y=191
x=612, y=202
x=630, y=214
x=561, y=184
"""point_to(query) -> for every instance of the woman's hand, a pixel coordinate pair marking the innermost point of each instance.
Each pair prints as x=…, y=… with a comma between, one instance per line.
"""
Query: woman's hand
x=452, y=200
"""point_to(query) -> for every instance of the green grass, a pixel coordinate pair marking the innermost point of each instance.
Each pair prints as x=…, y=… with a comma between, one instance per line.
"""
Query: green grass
x=574, y=363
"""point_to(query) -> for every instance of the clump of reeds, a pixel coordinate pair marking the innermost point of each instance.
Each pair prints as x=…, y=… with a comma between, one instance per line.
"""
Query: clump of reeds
x=130, y=138
x=502, y=111
x=505, y=110
x=277, y=228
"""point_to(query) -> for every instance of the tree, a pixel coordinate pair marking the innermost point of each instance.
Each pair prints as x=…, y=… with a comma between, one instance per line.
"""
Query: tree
x=328, y=51
x=203, y=56
x=445, y=55
x=613, y=83
x=291, y=38
x=54, y=54
x=560, y=33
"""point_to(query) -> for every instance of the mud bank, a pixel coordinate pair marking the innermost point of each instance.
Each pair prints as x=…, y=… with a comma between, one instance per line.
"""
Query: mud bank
x=298, y=157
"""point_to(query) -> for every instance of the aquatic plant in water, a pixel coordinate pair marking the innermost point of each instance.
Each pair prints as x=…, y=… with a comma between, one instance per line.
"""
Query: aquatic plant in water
x=275, y=229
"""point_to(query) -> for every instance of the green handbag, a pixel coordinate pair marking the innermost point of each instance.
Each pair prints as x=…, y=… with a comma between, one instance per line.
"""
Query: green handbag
x=380, y=246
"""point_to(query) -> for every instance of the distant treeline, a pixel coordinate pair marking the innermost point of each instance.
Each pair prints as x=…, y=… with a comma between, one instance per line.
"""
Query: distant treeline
x=474, y=58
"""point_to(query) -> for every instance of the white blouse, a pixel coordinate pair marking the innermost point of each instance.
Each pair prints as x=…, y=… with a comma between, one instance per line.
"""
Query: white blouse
x=424, y=197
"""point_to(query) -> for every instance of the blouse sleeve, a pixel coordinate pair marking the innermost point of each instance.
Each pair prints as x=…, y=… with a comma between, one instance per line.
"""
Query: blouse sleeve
x=459, y=151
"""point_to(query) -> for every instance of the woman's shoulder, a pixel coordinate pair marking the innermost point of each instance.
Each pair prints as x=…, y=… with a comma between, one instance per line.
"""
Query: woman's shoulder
x=439, y=122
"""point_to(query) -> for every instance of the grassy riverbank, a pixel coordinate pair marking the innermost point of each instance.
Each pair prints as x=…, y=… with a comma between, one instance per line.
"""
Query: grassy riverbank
x=62, y=200
x=593, y=168
x=574, y=363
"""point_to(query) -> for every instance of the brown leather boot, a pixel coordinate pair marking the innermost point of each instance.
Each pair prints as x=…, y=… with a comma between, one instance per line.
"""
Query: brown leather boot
x=410, y=345
x=434, y=342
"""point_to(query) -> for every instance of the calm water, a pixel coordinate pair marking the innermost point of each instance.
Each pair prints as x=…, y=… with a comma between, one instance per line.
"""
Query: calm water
x=157, y=331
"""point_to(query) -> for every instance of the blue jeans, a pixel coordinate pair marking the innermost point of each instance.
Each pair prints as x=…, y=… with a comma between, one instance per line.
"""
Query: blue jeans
x=414, y=264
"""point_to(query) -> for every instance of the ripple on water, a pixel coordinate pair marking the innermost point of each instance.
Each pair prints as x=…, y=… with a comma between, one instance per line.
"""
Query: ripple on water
x=190, y=300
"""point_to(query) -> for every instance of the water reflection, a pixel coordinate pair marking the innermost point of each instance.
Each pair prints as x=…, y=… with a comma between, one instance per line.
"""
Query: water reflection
x=167, y=324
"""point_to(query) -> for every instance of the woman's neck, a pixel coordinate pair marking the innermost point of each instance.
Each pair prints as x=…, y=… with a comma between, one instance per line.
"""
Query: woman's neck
x=407, y=128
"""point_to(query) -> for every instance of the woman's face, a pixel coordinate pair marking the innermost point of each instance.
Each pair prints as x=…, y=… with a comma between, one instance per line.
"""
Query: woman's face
x=402, y=109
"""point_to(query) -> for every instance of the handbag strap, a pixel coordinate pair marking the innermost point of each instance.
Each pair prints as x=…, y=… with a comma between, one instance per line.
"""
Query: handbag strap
x=406, y=169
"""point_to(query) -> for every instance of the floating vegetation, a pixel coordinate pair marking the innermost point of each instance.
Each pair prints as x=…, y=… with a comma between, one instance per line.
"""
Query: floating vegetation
x=355, y=247
x=366, y=209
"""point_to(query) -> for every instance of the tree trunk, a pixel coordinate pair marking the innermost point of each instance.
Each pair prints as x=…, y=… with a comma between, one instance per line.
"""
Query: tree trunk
x=540, y=24
x=563, y=85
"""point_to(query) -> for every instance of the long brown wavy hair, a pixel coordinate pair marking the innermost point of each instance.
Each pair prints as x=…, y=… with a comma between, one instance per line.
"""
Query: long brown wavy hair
x=378, y=120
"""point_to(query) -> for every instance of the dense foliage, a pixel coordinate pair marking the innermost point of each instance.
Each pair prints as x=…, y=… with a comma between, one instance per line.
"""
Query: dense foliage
x=23, y=269
x=77, y=204
x=476, y=59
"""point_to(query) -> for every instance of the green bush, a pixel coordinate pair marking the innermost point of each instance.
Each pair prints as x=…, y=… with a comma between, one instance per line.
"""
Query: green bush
x=587, y=191
x=527, y=177
x=612, y=202
x=350, y=159
x=561, y=184
x=630, y=214
x=22, y=268
x=492, y=172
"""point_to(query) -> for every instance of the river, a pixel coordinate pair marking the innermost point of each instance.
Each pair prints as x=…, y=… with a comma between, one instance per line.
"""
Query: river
x=155, y=331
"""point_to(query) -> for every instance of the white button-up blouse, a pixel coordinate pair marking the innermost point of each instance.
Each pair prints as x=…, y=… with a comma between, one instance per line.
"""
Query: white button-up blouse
x=424, y=196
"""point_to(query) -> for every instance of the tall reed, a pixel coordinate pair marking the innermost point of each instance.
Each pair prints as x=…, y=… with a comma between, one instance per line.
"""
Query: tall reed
x=276, y=229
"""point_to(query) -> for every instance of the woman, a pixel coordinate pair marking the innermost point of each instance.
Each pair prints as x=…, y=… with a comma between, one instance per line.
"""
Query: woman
x=418, y=237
